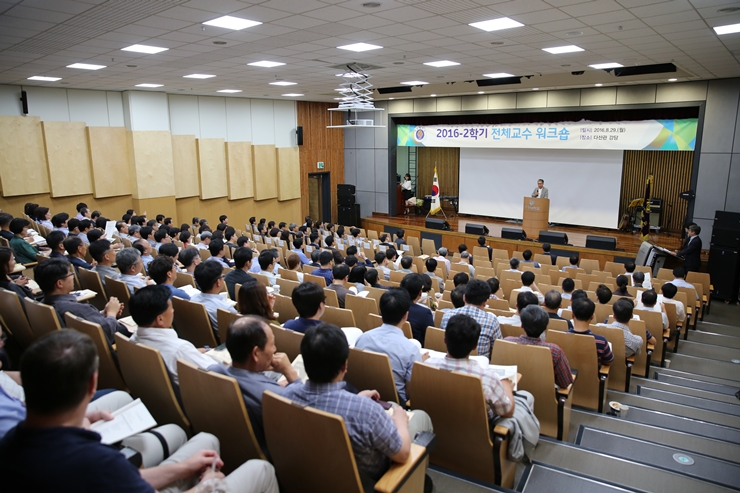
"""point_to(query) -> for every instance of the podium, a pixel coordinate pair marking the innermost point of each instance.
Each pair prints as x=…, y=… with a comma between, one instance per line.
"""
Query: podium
x=535, y=216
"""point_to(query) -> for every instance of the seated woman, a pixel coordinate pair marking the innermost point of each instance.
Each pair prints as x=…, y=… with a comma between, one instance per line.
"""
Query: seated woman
x=17, y=285
x=25, y=252
x=253, y=299
x=294, y=264
x=357, y=277
x=622, y=282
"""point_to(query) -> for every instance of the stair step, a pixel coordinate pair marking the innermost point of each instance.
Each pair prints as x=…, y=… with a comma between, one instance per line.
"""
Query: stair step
x=710, y=351
x=728, y=330
x=703, y=366
x=710, y=337
x=686, y=390
x=690, y=400
x=541, y=478
x=720, y=382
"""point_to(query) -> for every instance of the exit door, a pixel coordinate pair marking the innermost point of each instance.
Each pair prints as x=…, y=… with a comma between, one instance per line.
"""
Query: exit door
x=319, y=196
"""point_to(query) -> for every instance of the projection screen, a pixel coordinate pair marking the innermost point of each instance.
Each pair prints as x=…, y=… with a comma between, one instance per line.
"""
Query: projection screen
x=584, y=185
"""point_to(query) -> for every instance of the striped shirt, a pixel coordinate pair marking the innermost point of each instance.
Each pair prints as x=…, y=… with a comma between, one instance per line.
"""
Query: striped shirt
x=632, y=343
x=603, y=350
x=563, y=376
x=489, y=326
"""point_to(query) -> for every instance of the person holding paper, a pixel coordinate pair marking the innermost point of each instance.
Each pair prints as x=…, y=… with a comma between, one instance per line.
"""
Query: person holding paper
x=540, y=192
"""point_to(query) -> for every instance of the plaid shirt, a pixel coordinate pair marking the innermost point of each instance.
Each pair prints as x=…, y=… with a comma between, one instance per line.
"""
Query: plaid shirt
x=632, y=342
x=563, y=376
x=372, y=432
x=489, y=327
x=493, y=391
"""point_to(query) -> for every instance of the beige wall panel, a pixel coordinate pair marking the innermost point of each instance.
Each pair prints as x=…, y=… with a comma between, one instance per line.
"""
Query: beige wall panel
x=159, y=205
x=289, y=173
x=108, y=151
x=682, y=91
x=534, y=99
x=239, y=211
x=449, y=104
x=636, y=94
x=212, y=168
x=599, y=96
x=239, y=170
x=22, y=159
x=401, y=106
x=504, y=101
x=559, y=99
x=67, y=158
x=264, y=169
x=474, y=102
x=150, y=160
x=428, y=105
x=185, y=163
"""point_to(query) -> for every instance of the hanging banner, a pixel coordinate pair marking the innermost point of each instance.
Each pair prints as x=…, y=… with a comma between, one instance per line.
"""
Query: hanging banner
x=656, y=135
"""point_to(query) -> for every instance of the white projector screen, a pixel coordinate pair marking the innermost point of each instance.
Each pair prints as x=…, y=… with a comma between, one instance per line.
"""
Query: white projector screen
x=584, y=185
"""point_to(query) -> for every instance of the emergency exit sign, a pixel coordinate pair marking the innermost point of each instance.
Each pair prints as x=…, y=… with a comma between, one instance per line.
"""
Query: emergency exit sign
x=320, y=164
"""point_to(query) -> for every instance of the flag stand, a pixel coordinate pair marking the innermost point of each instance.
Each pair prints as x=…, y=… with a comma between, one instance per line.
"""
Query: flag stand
x=436, y=205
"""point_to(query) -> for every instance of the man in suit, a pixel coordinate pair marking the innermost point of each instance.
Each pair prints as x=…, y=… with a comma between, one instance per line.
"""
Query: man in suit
x=540, y=192
x=691, y=252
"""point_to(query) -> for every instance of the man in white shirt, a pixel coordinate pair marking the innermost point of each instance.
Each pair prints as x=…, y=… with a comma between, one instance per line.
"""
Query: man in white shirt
x=649, y=302
x=152, y=311
x=629, y=271
x=442, y=258
x=679, y=279
x=205, y=240
x=669, y=290
x=465, y=260
x=514, y=265
x=524, y=298
x=266, y=262
x=528, y=284
x=210, y=279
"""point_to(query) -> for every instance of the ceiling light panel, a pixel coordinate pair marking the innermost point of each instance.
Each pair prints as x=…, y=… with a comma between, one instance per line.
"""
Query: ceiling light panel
x=44, y=78
x=359, y=47
x=230, y=22
x=728, y=29
x=86, y=66
x=149, y=50
x=198, y=76
x=282, y=83
x=266, y=64
x=414, y=83
x=499, y=75
x=229, y=91
x=292, y=95
x=441, y=63
x=559, y=50
x=604, y=66
x=149, y=85
x=496, y=24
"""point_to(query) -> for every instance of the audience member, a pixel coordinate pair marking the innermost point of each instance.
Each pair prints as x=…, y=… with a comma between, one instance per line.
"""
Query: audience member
x=406, y=263
x=466, y=259
x=129, y=263
x=622, y=282
x=145, y=250
x=528, y=284
x=546, y=247
x=55, y=242
x=5, y=232
x=371, y=277
x=19, y=285
x=102, y=252
x=309, y=301
x=357, y=277
x=649, y=302
x=583, y=314
x=477, y=293
x=253, y=299
x=568, y=286
x=669, y=291
x=482, y=243
x=163, y=271
x=242, y=263
x=622, y=310
x=523, y=299
x=603, y=294
x=24, y=252
x=189, y=258
x=527, y=257
x=460, y=278
x=420, y=317
x=340, y=274
x=210, y=280
x=441, y=258
x=553, y=300
x=431, y=265
x=573, y=263
x=76, y=249
x=513, y=265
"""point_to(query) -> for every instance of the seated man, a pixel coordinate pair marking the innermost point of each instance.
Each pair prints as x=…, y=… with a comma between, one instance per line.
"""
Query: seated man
x=534, y=323
x=629, y=271
x=375, y=436
x=251, y=344
x=523, y=299
x=669, y=290
x=389, y=339
x=528, y=284
x=406, y=263
x=298, y=250
x=457, y=297
x=309, y=301
x=649, y=302
x=163, y=271
x=513, y=265
x=441, y=258
x=60, y=374
x=145, y=250
x=151, y=309
x=267, y=262
x=381, y=259
x=325, y=267
x=371, y=277
x=59, y=221
x=573, y=263
x=340, y=274
x=218, y=253
x=56, y=280
x=102, y=252
x=568, y=286
x=495, y=285
x=460, y=278
x=553, y=300
x=603, y=294
x=583, y=313
x=461, y=337
x=638, y=279
x=210, y=280
x=477, y=293
x=76, y=249
x=622, y=310
x=679, y=279
x=242, y=264
x=205, y=240
x=431, y=266
x=85, y=227
x=161, y=237
x=527, y=257
x=129, y=263
x=546, y=247
x=5, y=232
x=189, y=258
x=420, y=317
x=466, y=259
x=482, y=243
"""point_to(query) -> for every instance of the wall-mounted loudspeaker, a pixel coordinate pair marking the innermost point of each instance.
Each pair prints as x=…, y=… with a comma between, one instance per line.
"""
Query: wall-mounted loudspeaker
x=24, y=102
x=299, y=135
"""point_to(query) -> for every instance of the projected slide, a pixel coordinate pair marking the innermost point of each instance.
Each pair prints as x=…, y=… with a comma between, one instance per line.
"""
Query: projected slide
x=584, y=185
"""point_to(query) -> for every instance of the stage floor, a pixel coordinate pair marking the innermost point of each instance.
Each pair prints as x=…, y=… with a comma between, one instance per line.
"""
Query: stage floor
x=576, y=234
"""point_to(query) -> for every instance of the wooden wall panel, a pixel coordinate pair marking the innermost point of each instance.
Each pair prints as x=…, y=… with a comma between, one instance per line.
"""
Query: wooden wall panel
x=447, y=161
x=22, y=159
x=212, y=168
x=158, y=205
x=239, y=211
x=185, y=164
x=264, y=160
x=113, y=207
x=239, y=170
x=109, y=168
x=289, y=173
x=150, y=158
x=320, y=144
x=67, y=158
x=672, y=175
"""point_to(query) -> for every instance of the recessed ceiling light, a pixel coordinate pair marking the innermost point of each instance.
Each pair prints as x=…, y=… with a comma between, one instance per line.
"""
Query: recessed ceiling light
x=441, y=63
x=229, y=91
x=398, y=63
x=535, y=88
x=44, y=78
x=283, y=83
x=672, y=80
x=132, y=66
x=574, y=33
x=481, y=92
x=292, y=95
x=598, y=85
x=221, y=43
x=351, y=75
x=414, y=83
x=391, y=98
x=86, y=66
x=150, y=50
x=497, y=43
x=149, y=85
x=198, y=76
x=432, y=95
x=499, y=75
x=602, y=66
x=728, y=29
x=496, y=24
x=557, y=50
x=266, y=64
x=359, y=47
x=728, y=10
x=371, y=5
x=229, y=22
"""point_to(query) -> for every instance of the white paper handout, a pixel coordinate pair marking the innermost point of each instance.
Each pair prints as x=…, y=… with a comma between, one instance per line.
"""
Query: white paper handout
x=129, y=420
x=110, y=229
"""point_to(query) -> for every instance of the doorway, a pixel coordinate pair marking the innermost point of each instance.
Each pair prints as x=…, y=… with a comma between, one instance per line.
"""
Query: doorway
x=319, y=196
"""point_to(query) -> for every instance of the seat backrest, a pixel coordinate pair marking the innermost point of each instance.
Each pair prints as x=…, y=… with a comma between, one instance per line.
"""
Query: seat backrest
x=438, y=315
x=654, y=324
x=284, y=307
x=589, y=265
x=287, y=341
x=42, y=318
x=368, y=370
x=291, y=275
x=192, y=323
x=398, y=276
x=286, y=286
x=15, y=319
x=144, y=372
x=602, y=312
x=665, y=274
x=119, y=289
x=184, y=279
x=618, y=368
x=510, y=331
x=582, y=355
x=204, y=253
x=486, y=272
x=228, y=420
x=557, y=325
x=341, y=317
x=310, y=449
x=701, y=278
x=616, y=269
x=332, y=300
x=225, y=319
x=307, y=269
x=498, y=304
x=428, y=247
x=362, y=308
x=91, y=280
x=601, y=276
x=109, y=376
x=261, y=278
x=376, y=321
x=320, y=280
x=435, y=339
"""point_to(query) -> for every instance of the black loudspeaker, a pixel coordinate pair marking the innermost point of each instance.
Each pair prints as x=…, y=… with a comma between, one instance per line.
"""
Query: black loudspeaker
x=727, y=220
x=601, y=242
x=299, y=135
x=345, y=200
x=476, y=229
x=722, y=237
x=513, y=234
x=553, y=238
x=344, y=215
x=723, y=268
x=24, y=102
x=439, y=224
x=343, y=189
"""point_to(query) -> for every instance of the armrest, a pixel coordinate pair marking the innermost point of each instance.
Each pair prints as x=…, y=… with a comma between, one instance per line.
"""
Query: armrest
x=604, y=370
x=689, y=310
x=666, y=333
x=398, y=473
x=564, y=392
x=651, y=347
x=30, y=265
x=500, y=430
x=631, y=359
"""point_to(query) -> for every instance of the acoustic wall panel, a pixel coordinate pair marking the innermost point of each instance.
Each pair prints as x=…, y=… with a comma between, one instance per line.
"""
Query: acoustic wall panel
x=22, y=160
x=67, y=158
x=263, y=119
x=240, y=175
x=184, y=116
x=289, y=173
x=90, y=107
x=108, y=151
x=212, y=114
x=238, y=120
x=150, y=158
x=212, y=168
x=285, y=123
x=185, y=164
x=264, y=170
